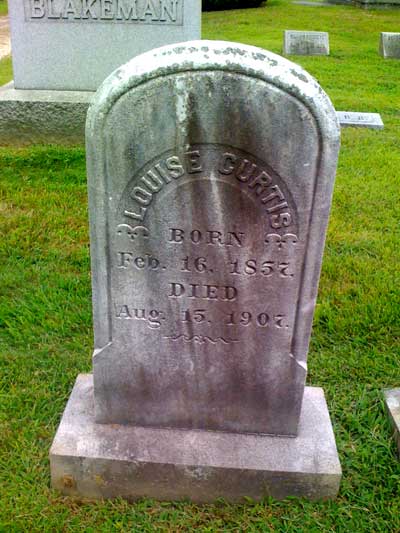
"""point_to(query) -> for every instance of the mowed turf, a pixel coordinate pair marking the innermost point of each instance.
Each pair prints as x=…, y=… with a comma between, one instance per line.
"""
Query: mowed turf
x=3, y=8
x=45, y=306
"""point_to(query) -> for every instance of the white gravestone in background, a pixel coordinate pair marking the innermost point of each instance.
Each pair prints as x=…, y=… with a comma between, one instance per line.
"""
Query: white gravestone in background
x=306, y=43
x=389, y=46
x=76, y=44
x=360, y=120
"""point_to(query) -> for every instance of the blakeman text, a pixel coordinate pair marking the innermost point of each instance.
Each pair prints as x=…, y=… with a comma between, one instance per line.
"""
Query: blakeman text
x=165, y=12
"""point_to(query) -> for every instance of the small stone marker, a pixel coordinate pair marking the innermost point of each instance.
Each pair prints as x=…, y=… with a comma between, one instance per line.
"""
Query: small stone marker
x=360, y=120
x=311, y=3
x=390, y=45
x=306, y=43
x=206, y=244
x=75, y=44
x=392, y=402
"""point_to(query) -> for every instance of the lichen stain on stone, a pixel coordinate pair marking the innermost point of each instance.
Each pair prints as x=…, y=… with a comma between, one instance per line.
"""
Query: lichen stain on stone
x=99, y=480
x=235, y=51
x=258, y=56
x=179, y=50
x=68, y=481
x=197, y=472
x=299, y=75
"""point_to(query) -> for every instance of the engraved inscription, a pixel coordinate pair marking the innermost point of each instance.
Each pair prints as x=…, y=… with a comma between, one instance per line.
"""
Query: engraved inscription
x=167, y=12
x=201, y=339
x=199, y=275
x=307, y=43
x=251, y=175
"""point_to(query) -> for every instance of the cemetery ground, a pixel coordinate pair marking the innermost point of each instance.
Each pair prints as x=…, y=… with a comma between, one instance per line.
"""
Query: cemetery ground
x=45, y=305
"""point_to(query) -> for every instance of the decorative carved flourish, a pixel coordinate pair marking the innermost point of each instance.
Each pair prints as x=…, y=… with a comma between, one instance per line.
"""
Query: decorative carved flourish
x=200, y=339
x=133, y=232
x=281, y=241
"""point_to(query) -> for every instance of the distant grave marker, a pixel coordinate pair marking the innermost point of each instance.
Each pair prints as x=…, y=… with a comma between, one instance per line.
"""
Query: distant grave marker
x=360, y=120
x=389, y=46
x=310, y=3
x=306, y=43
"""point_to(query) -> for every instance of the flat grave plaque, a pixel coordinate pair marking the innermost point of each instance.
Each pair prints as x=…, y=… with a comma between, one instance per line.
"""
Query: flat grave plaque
x=360, y=120
x=306, y=43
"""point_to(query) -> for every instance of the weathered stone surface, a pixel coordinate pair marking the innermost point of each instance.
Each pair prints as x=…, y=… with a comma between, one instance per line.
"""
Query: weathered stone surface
x=360, y=120
x=389, y=46
x=75, y=44
x=211, y=168
x=108, y=461
x=306, y=43
x=31, y=117
x=392, y=402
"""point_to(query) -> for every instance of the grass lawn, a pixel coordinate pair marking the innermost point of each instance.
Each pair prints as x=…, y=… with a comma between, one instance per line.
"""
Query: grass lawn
x=3, y=7
x=45, y=307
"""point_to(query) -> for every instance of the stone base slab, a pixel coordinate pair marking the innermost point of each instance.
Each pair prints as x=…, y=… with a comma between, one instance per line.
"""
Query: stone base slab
x=392, y=402
x=50, y=117
x=107, y=461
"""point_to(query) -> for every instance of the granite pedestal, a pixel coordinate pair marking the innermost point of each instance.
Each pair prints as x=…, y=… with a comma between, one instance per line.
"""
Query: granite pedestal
x=33, y=116
x=112, y=460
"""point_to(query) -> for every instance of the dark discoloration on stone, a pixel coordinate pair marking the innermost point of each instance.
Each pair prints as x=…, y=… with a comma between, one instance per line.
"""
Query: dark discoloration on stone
x=300, y=76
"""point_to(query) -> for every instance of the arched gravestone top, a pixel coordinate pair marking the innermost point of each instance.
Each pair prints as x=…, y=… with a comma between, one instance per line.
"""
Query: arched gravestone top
x=211, y=167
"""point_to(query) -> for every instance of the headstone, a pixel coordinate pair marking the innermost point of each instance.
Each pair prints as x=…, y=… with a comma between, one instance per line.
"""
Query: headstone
x=306, y=43
x=392, y=402
x=63, y=50
x=210, y=169
x=326, y=3
x=311, y=3
x=378, y=4
x=76, y=44
x=360, y=120
x=390, y=45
